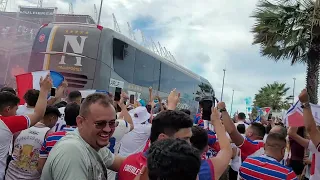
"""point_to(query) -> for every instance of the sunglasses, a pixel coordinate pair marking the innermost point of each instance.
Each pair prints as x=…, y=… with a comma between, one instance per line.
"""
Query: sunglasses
x=102, y=124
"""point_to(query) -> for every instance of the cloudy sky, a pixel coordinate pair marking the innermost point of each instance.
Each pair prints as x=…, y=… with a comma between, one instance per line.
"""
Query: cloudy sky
x=205, y=36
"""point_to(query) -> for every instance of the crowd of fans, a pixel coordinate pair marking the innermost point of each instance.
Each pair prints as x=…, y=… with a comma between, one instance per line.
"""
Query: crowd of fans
x=99, y=138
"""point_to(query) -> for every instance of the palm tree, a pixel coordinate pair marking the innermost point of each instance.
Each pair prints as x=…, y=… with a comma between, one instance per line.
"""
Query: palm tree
x=274, y=96
x=288, y=29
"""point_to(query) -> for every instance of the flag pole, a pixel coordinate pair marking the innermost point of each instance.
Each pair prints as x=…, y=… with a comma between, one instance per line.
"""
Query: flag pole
x=100, y=12
x=232, y=102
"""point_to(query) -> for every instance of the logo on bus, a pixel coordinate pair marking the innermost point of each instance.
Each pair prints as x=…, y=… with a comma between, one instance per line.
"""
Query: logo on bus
x=42, y=37
x=77, y=47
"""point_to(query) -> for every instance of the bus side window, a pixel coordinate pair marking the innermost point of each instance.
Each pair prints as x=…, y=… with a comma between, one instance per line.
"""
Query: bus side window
x=119, y=49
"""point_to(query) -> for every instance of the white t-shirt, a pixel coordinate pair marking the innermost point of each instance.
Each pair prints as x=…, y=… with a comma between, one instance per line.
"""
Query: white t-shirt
x=9, y=126
x=241, y=122
x=315, y=164
x=235, y=163
x=136, y=140
x=24, y=110
x=122, y=129
x=61, y=123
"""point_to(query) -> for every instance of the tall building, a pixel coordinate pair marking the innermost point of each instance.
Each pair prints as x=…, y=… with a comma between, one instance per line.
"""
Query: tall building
x=17, y=33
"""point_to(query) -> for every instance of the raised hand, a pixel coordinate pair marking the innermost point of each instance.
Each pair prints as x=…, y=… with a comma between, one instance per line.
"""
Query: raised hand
x=304, y=96
x=173, y=99
x=46, y=83
x=221, y=105
x=292, y=131
x=123, y=98
x=64, y=84
x=215, y=115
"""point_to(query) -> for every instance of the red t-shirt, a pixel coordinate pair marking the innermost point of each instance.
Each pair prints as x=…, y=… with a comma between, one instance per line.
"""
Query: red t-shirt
x=132, y=165
x=251, y=148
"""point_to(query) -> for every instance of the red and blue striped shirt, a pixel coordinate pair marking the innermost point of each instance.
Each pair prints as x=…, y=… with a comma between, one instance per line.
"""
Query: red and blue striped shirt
x=206, y=170
x=265, y=167
x=52, y=139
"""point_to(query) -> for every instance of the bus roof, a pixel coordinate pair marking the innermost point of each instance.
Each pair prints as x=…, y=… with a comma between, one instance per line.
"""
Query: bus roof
x=138, y=46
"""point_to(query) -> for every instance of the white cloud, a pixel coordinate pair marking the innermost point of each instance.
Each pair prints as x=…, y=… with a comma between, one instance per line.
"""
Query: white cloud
x=214, y=28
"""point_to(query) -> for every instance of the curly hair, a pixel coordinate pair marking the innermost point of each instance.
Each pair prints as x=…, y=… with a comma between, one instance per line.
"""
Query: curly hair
x=172, y=159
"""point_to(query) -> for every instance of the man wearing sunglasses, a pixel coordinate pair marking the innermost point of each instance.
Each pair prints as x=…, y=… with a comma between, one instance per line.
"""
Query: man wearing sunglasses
x=83, y=153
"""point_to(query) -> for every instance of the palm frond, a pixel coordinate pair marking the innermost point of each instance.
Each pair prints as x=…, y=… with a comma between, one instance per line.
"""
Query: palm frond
x=283, y=29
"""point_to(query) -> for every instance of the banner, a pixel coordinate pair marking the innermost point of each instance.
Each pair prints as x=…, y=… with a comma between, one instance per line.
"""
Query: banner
x=36, y=12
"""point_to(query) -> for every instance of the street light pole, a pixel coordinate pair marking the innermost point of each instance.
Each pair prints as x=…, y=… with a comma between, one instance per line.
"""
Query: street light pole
x=231, y=103
x=294, y=86
x=224, y=75
x=100, y=12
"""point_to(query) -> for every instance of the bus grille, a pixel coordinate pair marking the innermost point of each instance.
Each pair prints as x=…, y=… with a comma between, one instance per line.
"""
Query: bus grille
x=75, y=80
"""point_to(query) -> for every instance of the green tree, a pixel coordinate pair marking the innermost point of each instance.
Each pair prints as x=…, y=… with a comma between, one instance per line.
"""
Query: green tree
x=205, y=89
x=288, y=29
x=274, y=96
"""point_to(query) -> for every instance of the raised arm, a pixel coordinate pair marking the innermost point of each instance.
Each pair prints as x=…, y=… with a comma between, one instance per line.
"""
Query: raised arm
x=222, y=160
x=124, y=112
x=150, y=95
x=292, y=132
x=173, y=99
x=309, y=121
x=40, y=108
x=235, y=136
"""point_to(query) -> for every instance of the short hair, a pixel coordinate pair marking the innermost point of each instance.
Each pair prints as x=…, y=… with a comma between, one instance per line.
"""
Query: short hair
x=258, y=129
x=169, y=122
x=73, y=95
x=276, y=140
x=187, y=111
x=8, y=99
x=8, y=89
x=241, y=128
x=173, y=159
x=241, y=116
x=199, y=138
x=70, y=114
x=51, y=110
x=282, y=132
x=31, y=97
x=100, y=98
x=61, y=104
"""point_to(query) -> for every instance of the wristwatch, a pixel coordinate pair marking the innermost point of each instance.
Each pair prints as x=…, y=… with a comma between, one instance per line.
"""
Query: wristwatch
x=305, y=105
